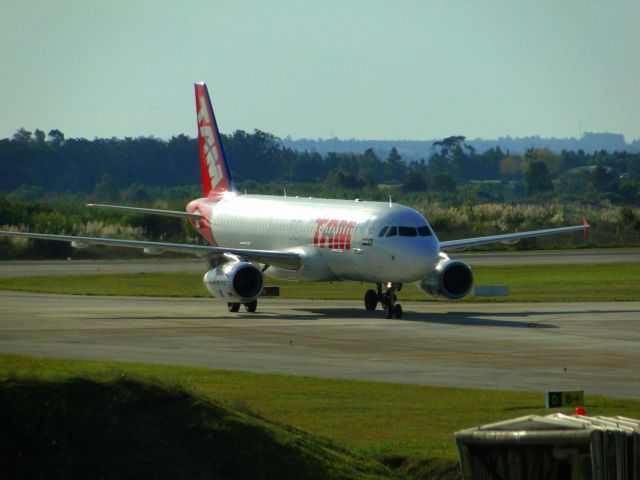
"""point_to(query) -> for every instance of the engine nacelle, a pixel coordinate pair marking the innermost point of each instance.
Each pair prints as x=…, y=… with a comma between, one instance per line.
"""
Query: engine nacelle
x=234, y=282
x=451, y=279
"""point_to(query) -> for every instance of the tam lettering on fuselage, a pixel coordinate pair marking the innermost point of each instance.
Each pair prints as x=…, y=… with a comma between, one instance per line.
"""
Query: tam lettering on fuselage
x=331, y=233
x=210, y=148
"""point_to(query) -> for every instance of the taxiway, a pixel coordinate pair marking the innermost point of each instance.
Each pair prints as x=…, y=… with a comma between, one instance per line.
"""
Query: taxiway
x=533, y=347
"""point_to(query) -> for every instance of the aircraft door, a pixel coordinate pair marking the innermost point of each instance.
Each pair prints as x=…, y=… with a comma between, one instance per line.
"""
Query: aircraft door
x=361, y=243
x=363, y=237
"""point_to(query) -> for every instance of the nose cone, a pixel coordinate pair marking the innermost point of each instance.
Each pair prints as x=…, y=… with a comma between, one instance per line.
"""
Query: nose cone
x=419, y=254
x=412, y=258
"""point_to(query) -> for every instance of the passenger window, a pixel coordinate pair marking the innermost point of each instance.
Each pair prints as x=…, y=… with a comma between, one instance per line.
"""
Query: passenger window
x=408, y=232
x=424, y=231
x=392, y=232
x=383, y=231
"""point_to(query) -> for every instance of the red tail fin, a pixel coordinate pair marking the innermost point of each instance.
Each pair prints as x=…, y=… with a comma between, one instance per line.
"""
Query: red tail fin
x=216, y=177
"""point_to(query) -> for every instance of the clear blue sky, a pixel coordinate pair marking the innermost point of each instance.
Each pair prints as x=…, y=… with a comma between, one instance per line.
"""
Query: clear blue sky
x=362, y=69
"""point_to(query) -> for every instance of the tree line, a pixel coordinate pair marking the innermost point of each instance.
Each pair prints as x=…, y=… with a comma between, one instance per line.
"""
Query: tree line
x=33, y=164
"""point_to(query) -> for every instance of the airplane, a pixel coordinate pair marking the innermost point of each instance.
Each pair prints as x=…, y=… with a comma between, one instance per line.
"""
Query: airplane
x=304, y=239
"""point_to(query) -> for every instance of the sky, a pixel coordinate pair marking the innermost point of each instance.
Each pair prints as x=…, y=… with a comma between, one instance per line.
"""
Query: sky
x=317, y=69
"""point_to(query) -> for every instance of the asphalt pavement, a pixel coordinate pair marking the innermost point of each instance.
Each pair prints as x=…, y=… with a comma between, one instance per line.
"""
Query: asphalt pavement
x=513, y=346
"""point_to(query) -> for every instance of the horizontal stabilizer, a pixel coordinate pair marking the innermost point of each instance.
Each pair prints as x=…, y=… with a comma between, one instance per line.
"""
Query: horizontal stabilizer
x=148, y=211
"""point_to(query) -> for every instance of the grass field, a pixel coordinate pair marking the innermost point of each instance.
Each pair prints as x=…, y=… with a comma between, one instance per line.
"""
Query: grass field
x=545, y=283
x=401, y=424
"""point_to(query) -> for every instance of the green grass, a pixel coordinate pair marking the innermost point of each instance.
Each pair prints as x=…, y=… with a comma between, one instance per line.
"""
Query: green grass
x=369, y=419
x=531, y=283
x=561, y=283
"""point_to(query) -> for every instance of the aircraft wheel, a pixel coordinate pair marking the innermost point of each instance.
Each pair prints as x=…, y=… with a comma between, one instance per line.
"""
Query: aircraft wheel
x=370, y=300
x=397, y=311
x=388, y=311
x=233, y=306
x=251, y=306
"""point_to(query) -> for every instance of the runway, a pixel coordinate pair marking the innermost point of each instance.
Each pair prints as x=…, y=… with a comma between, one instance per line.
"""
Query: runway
x=532, y=347
x=149, y=265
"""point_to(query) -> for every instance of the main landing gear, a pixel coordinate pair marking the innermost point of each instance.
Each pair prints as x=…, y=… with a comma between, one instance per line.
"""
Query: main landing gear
x=387, y=297
x=249, y=306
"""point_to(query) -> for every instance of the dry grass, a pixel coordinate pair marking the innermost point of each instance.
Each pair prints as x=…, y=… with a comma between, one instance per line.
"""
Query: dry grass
x=611, y=225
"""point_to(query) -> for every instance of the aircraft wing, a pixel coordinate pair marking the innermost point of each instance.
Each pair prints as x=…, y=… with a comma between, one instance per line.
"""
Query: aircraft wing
x=153, y=211
x=468, y=242
x=288, y=260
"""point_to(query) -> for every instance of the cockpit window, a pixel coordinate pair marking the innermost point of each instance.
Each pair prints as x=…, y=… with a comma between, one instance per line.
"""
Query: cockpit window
x=424, y=231
x=408, y=231
x=392, y=232
x=383, y=231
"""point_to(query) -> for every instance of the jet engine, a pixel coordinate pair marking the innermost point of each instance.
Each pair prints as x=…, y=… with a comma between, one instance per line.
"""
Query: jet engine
x=234, y=282
x=450, y=279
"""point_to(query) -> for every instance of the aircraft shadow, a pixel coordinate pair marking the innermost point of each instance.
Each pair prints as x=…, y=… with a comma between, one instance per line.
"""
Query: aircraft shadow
x=475, y=319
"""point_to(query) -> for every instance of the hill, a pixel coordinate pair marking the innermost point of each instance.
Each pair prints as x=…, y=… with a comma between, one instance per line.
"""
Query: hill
x=122, y=428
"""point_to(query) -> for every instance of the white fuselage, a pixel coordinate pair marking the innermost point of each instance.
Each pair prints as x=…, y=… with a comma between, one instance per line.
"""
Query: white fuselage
x=337, y=239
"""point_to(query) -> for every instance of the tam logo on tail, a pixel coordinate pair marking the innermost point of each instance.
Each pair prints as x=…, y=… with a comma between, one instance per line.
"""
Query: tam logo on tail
x=216, y=177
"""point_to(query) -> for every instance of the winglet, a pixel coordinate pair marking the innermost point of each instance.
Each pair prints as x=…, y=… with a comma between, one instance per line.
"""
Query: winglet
x=586, y=227
x=215, y=173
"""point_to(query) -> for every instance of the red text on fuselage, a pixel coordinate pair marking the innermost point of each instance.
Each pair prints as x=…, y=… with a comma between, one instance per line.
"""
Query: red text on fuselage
x=332, y=233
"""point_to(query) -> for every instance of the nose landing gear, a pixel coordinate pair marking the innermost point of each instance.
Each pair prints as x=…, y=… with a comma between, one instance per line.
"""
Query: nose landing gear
x=387, y=297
